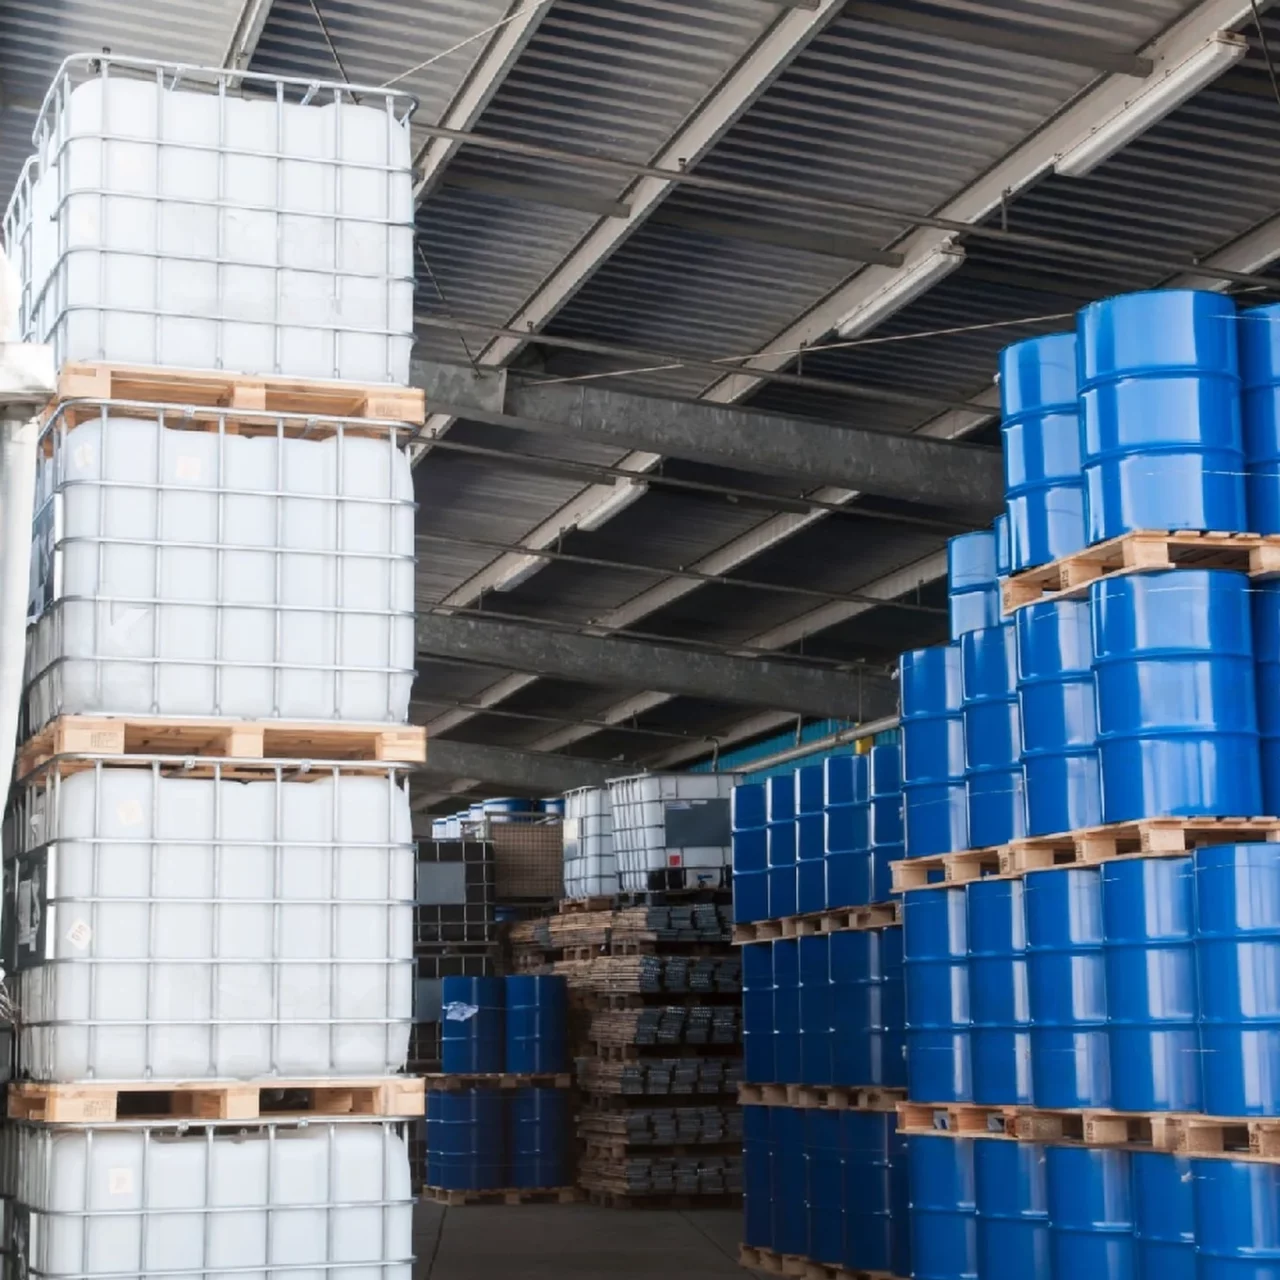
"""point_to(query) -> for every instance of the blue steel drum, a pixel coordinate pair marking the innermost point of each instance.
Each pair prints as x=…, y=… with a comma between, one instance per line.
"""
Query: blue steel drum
x=1161, y=439
x=816, y=1036
x=757, y=1014
x=935, y=963
x=539, y=1138
x=999, y=1010
x=1013, y=1211
x=1004, y=549
x=893, y=1007
x=1090, y=1213
x=811, y=866
x=790, y=1212
x=786, y=1010
x=809, y=788
x=868, y=1226
x=1238, y=966
x=1059, y=722
x=780, y=798
x=1259, y=333
x=472, y=1037
x=1177, y=724
x=747, y=806
x=847, y=837
x=973, y=595
x=1163, y=1216
x=944, y=1223
x=537, y=1023
x=935, y=803
x=824, y=1185
x=811, y=873
x=1266, y=653
x=431, y=1139
x=780, y=841
x=552, y=806
x=1044, y=487
x=1237, y=1220
x=992, y=736
x=1148, y=927
x=899, y=1203
x=757, y=1178
x=884, y=812
x=466, y=1137
x=866, y=1007
x=750, y=873
x=504, y=808
x=1066, y=983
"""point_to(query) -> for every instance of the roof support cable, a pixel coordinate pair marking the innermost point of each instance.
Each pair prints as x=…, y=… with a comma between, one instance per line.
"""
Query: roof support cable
x=1266, y=48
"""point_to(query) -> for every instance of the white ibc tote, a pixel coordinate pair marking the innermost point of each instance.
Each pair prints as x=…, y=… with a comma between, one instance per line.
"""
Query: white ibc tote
x=326, y=1199
x=215, y=219
x=672, y=830
x=176, y=928
x=216, y=565
x=590, y=867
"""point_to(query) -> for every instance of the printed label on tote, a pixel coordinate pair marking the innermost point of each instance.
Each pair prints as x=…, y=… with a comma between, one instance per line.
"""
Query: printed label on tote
x=79, y=935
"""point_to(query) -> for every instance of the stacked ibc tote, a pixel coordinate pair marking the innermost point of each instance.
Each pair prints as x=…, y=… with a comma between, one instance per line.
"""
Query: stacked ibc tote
x=208, y=854
x=1091, y=907
x=824, y=1169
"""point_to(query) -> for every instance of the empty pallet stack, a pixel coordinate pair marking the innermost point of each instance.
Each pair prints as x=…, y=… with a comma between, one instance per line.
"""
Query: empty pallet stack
x=825, y=1167
x=208, y=855
x=1092, y=868
x=499, y=1123
x=655, y=992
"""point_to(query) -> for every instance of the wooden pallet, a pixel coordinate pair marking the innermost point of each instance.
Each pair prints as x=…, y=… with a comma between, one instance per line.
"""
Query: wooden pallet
x=940, y=870
x=1138, y=551
x=229, y=739
x=840, y=920
x=577, y=906
x=451, y=1083
x=507, y=1195
x=1141, y=838
x=297, y=399
x=792, y=1264
x=610, y=1198
x=822, y=1097
x=1182, y=1133
x=1145, y=837
x=94, y=1101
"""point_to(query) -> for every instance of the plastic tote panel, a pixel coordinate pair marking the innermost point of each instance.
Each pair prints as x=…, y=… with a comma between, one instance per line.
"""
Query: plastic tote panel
x=329, y=1198
x=210, y=220
x=208, y=573
x=193, y=928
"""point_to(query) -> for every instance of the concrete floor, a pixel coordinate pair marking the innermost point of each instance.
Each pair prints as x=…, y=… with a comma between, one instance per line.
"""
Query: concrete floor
x=574, y=1242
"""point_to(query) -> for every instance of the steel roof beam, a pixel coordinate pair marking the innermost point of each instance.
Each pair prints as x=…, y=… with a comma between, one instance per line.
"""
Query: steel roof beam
x=884, y=463
x=477, y=91
x=1058, y=47
x=534, y=771
x=616, y=660
x=243, y=44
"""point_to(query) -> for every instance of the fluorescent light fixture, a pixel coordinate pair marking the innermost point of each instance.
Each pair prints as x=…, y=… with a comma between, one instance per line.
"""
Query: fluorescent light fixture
x=522, y=568
x=625, y=492
x=907, y=284
x=1165, y=89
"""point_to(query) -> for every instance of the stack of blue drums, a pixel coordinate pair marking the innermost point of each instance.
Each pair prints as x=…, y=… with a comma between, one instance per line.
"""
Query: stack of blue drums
x=827, y=1185
x=934, y=799
x=750, y=853
x=488, y=1138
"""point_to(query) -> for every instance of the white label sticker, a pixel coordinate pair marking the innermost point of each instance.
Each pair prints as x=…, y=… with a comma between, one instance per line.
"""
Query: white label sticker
x=79, y=935
x=120, y=1182
x=187, y=467
x=457, y=1011
x=82, y=456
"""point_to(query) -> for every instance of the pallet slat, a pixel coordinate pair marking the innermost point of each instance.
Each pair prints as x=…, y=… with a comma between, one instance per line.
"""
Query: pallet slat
x=1181, y=1133
x=824, y=1097
x=253, y=393
x=1147, y=549
x=838, y=920
x=505, y=1195
x=792, y=1264
x=1143, y=838
x=235, y=739
x=94, y=1101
